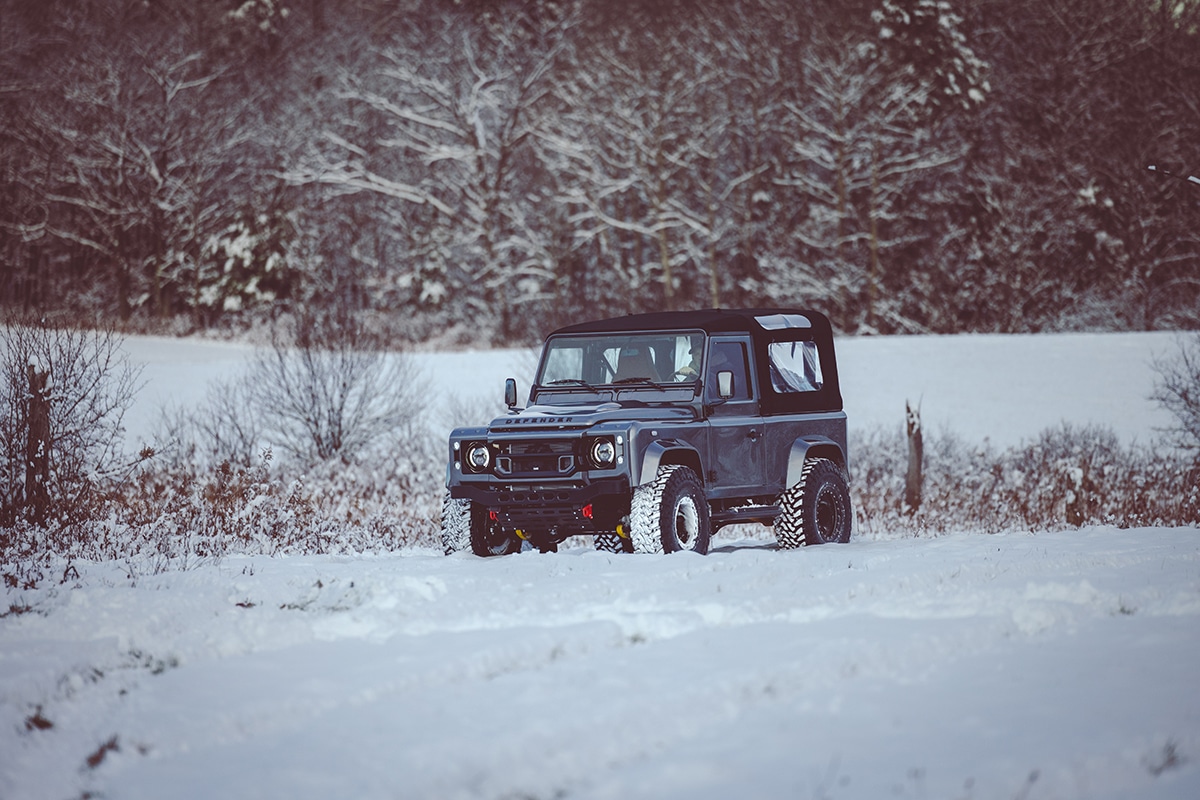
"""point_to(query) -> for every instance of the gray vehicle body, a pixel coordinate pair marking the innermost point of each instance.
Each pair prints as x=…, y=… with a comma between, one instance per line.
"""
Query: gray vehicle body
x=747, y=434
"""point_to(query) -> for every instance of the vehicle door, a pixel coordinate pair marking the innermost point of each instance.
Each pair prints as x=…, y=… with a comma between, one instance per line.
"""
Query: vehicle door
x=735, y=441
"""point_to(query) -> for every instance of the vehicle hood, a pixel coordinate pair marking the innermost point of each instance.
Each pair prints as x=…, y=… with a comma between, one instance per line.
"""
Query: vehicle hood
x=587, y=415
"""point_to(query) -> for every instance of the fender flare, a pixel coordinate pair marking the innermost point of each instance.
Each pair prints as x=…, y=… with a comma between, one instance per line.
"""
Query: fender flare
x=811, y=447
x=666, y=451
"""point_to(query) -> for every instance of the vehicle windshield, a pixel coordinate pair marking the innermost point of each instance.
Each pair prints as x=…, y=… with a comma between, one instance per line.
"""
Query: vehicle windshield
x=623, y=359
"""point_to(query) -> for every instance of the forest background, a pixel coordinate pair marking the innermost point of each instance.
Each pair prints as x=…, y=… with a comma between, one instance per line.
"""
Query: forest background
x=475, y=170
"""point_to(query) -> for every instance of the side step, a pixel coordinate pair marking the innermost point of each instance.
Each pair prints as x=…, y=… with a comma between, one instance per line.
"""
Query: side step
x=764, y=515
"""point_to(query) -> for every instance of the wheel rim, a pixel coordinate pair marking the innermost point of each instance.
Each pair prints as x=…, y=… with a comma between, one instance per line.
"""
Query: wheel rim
x=687, y=523
x=829, y=515
x=496, y=540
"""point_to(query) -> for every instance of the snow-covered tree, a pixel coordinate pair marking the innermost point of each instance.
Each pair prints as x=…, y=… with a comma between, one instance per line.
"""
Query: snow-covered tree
x=624, y=149
x=515, y=164
x=137, y=150
x=864, y=148
x=925, y=39
x=440, y=126
x=1085, y=96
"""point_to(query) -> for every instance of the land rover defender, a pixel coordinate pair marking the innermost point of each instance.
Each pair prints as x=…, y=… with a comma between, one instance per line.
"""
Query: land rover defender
x=650, y=432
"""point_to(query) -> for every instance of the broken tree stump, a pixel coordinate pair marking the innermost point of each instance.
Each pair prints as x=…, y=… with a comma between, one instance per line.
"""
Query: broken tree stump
x=916, y=458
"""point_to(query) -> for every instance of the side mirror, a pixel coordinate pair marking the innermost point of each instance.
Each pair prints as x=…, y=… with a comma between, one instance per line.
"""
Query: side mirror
x=725, y=384
x=510, y=392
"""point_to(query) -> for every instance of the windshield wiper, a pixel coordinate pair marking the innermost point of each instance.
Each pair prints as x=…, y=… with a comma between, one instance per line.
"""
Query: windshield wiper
x=646, y=381
x=573, y=382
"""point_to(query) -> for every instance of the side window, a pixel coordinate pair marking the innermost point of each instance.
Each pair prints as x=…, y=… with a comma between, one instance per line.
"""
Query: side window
x=689, y=350
x=728, y=356
x=795, y=367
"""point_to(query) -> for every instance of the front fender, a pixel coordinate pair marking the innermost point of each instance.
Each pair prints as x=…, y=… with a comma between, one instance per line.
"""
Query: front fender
x=665, y=452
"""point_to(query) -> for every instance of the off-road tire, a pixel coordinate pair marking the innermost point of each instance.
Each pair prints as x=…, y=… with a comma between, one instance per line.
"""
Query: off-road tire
x=670, y=513
x=610, y=542
x=466, y=525
x=456, y=524
x=488, y=538
x=817, y=509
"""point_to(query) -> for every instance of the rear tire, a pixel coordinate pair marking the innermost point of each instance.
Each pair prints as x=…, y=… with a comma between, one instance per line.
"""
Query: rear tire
x=456, y=524
x=611, y=542
x=817, y=509
x=670, y=514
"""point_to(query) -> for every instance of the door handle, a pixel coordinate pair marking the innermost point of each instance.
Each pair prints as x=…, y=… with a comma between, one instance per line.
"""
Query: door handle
x=753, y=434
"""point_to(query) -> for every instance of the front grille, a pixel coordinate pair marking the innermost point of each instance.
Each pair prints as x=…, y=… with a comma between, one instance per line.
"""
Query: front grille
x=539, y=448
x=537, y=458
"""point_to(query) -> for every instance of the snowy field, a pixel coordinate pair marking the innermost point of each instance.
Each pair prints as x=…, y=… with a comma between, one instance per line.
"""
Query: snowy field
x=999, y=387
x=1021, y=665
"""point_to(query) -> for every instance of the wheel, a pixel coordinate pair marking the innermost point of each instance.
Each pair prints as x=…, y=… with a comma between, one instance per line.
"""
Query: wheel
x=670, y=513
x=466, y=524
x=817, y=509
x=488, y=538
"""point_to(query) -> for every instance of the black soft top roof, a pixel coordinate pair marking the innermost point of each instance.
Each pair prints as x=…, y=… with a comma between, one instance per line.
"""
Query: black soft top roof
x=709, y=320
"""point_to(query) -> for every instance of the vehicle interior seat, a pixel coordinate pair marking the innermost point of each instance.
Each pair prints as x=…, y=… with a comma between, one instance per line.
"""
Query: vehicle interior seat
x=635, y=363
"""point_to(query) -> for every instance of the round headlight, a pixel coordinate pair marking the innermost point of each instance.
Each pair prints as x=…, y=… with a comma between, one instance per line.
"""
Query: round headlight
x=478, y=456
x=603, y=453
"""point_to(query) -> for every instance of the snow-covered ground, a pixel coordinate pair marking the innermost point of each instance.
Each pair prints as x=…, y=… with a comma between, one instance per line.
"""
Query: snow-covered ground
x=1021, y=665
x=1042, y=666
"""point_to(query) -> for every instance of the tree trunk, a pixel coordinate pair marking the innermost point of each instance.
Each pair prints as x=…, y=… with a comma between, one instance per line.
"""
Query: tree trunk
x=873, y=263
x=668, y=280
x=916, y=458
x=714, y=284
x=37, y=448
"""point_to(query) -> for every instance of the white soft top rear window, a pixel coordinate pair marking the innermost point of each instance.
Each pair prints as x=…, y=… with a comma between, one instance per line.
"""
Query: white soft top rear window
x=795, y=367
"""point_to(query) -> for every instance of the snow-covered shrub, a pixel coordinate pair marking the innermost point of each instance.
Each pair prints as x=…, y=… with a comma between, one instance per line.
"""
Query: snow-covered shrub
x=224, y=426
x=214, y=489
x=388, y=499
x=1068, y=476
x=180, y=516
x=83, y=385
x=1178, y=391
x=361, y=476
x=326, y=388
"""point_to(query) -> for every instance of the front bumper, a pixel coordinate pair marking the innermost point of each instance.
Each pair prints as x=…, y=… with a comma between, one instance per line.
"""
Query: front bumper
x=548, y=509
